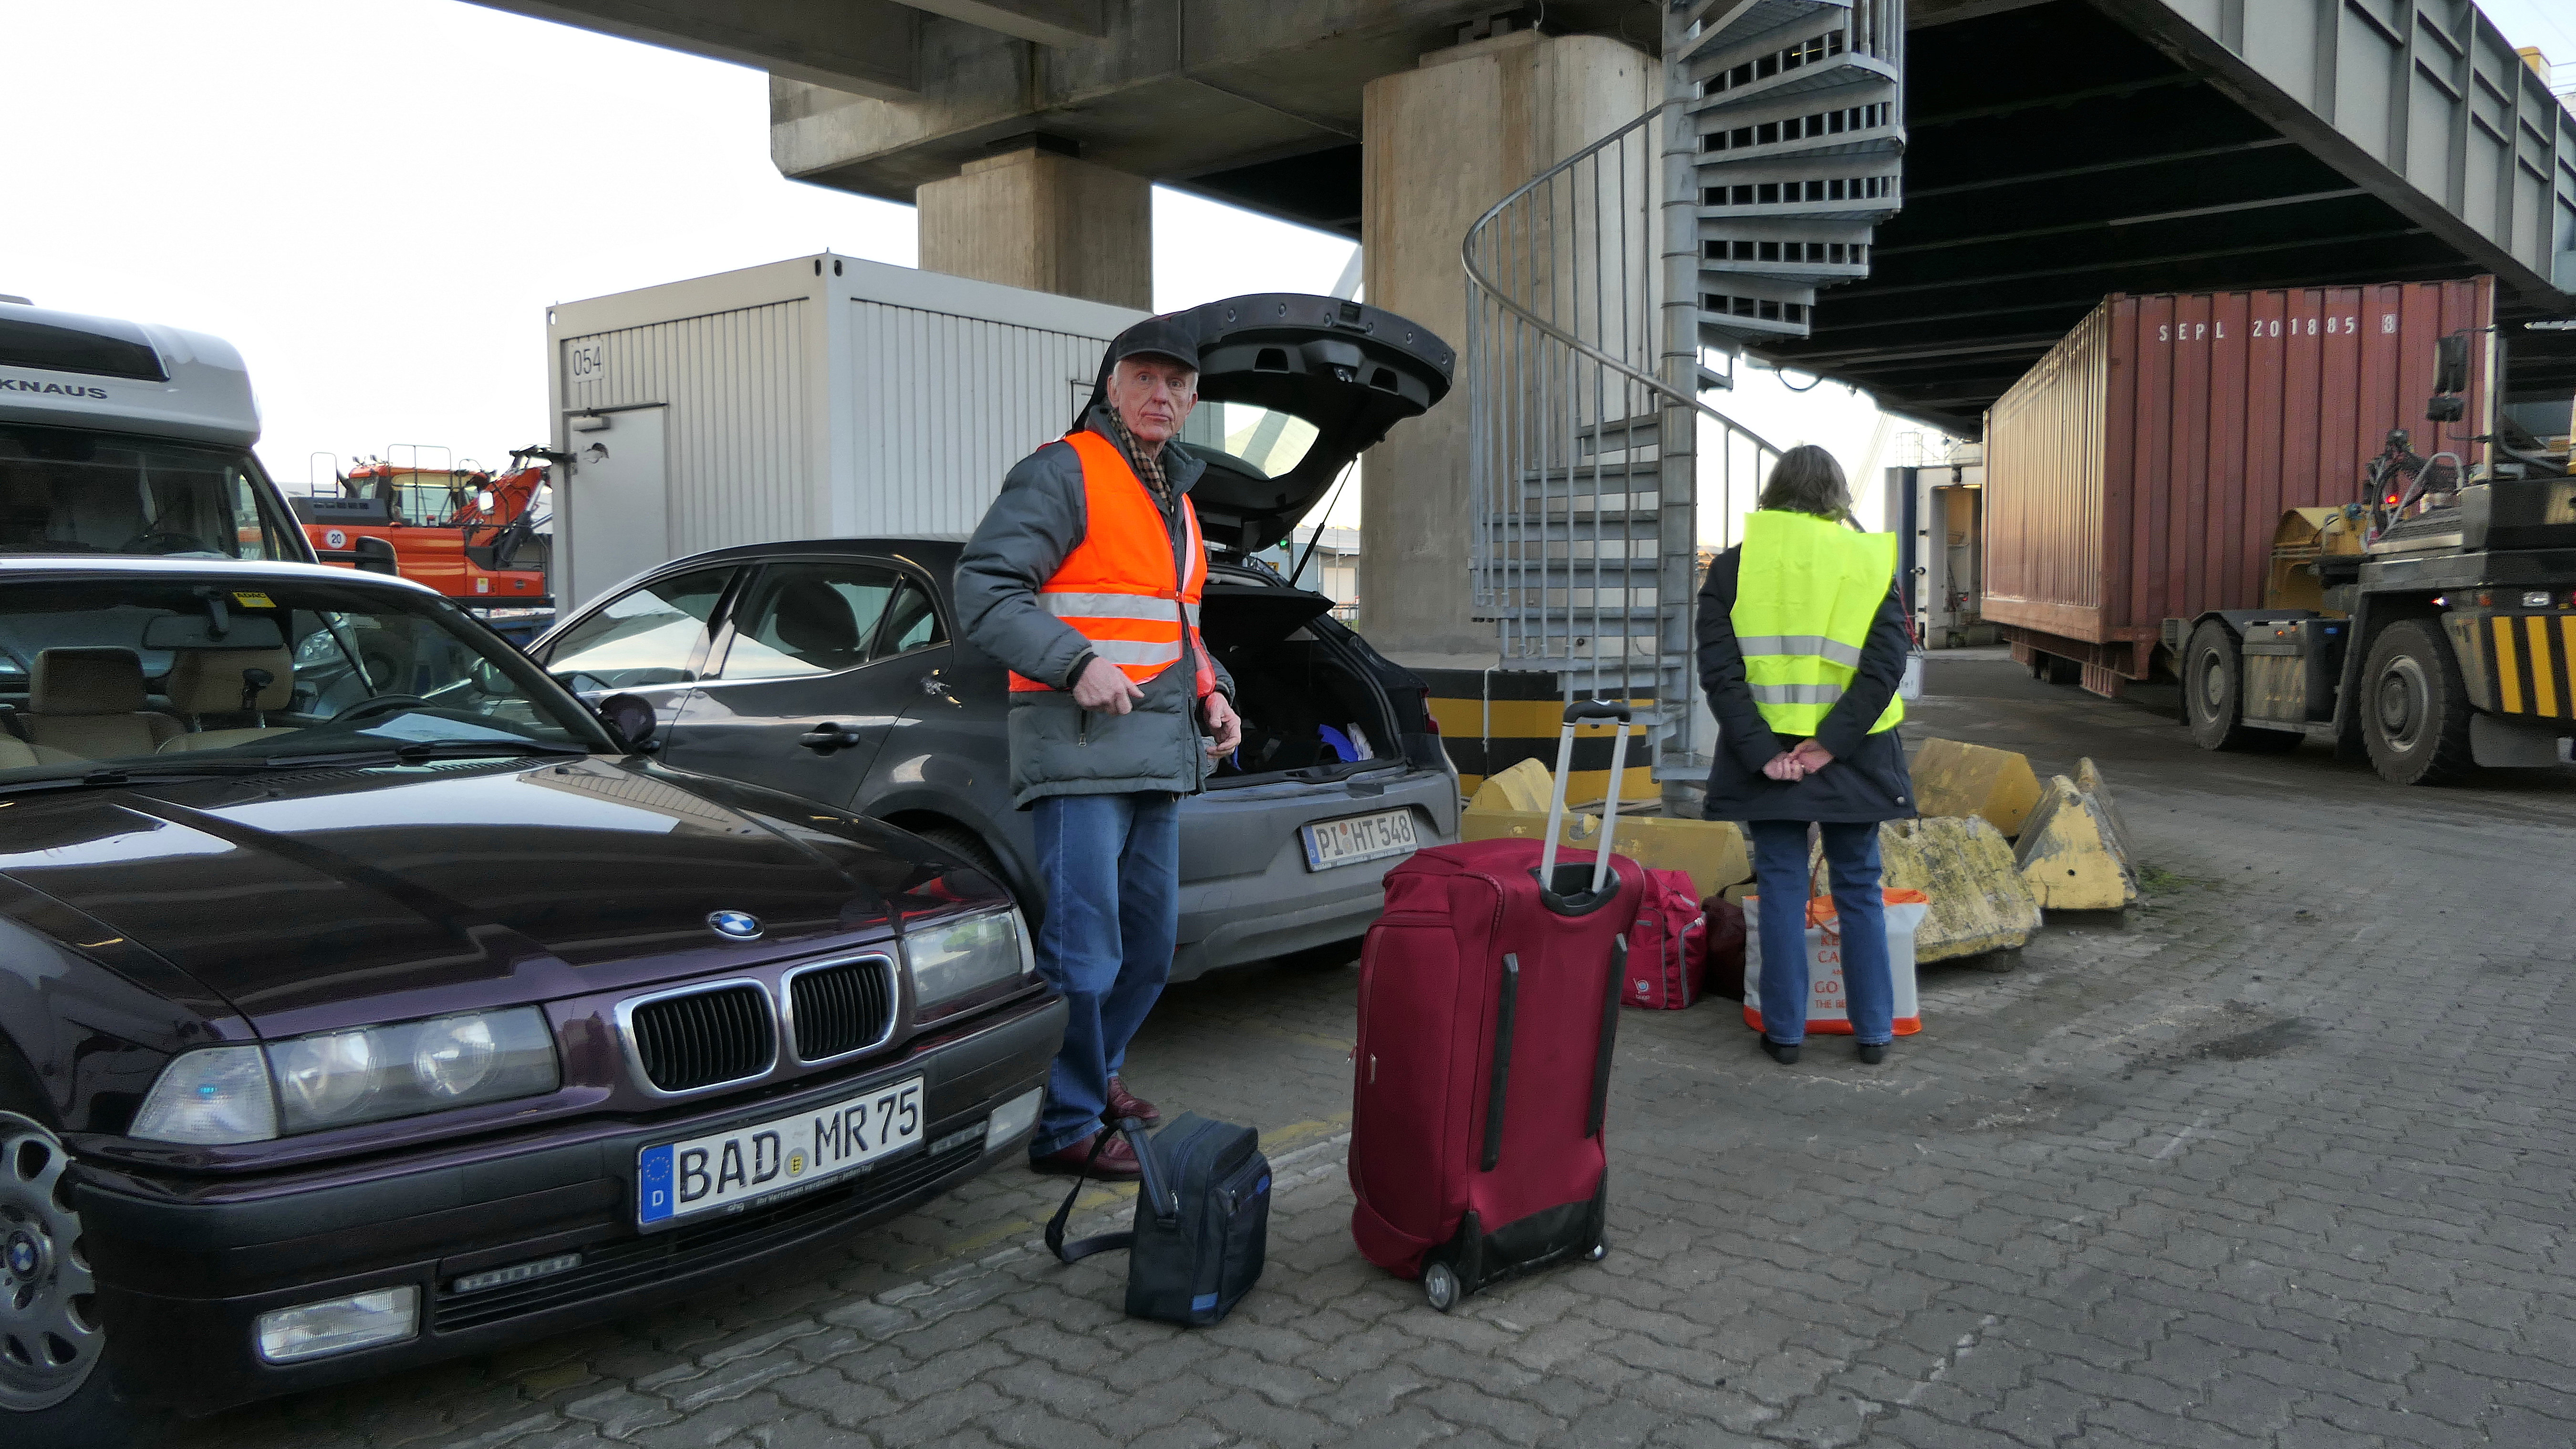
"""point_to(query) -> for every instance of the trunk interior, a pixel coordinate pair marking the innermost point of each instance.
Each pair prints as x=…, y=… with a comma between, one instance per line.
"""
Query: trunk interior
x=1309, y=712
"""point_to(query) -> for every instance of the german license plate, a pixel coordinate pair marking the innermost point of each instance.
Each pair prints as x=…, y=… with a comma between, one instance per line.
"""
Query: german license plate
x=785, y=1154
x=1356, y=838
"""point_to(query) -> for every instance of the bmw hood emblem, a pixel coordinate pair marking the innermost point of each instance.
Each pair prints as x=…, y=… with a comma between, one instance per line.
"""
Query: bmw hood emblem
x=735, y=925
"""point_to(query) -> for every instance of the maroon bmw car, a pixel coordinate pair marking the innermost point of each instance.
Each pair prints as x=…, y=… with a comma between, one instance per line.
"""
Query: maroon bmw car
x=365, y=999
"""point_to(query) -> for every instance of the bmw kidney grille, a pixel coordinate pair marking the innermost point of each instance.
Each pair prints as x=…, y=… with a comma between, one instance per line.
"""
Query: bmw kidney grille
x=841, y=1008
x=704, y=1037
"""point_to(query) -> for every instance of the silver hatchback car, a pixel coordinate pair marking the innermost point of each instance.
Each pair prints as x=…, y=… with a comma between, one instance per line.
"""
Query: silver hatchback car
x=832, y=668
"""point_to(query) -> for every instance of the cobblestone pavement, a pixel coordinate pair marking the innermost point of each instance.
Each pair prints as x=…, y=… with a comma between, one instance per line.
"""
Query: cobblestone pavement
x=2280, y=1158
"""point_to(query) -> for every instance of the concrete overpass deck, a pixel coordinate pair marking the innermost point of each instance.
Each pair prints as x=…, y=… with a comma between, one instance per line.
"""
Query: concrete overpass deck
x=2058, y=149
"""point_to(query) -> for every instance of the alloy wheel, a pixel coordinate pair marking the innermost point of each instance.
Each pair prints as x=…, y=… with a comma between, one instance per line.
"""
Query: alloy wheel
x=49, y=1335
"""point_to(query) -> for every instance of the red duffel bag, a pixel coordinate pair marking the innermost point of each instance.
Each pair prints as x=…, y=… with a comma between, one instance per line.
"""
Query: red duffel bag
x=1668, y=944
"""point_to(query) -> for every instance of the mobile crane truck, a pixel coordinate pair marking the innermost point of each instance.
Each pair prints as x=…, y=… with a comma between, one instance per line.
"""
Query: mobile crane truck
x=2417, y=609
x=465, y=532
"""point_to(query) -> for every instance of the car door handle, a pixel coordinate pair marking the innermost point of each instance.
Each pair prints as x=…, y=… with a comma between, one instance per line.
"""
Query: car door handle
x=824, y=739
x=932, y=686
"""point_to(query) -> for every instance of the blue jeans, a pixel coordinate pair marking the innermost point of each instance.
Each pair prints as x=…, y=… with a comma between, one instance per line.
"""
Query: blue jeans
x=1112, y=867
x=1780, y=874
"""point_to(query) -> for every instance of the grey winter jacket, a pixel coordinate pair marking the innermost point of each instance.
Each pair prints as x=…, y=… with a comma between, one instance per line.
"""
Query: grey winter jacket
x=1058, y=747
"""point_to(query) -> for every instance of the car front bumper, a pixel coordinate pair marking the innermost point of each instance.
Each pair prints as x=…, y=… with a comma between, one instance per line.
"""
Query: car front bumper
x=186, y=1271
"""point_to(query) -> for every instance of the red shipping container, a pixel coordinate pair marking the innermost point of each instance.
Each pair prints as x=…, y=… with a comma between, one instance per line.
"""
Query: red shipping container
x=2137, y=473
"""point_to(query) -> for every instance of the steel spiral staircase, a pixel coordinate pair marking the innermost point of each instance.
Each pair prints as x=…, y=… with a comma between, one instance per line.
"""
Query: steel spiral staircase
x=1599, y=293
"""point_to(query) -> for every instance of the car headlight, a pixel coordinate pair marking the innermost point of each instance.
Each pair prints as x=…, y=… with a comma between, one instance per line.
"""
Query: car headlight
x=340, y=1078
x=967, y=955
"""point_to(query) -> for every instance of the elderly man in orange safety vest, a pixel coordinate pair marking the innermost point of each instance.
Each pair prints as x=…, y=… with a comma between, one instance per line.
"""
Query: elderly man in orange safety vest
x=1084, y=580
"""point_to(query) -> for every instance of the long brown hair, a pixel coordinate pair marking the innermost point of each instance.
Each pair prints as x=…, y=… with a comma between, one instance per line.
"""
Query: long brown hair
x=1807, y=480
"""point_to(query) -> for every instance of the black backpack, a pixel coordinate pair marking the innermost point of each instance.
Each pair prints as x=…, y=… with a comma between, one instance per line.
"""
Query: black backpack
x=1202, y=1219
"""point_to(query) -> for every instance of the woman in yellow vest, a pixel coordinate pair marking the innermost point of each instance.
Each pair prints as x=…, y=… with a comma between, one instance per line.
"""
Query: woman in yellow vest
x=1802, y=645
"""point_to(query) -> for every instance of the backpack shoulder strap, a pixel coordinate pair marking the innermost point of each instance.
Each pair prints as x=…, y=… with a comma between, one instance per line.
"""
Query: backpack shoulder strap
x=1106, y=1242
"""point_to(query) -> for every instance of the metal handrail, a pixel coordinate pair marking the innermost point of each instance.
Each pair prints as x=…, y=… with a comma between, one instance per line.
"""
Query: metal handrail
x=1487, y=285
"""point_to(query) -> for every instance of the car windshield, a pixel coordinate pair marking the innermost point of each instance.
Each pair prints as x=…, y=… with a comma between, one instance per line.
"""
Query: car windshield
x=73, y=490
x=206, y=673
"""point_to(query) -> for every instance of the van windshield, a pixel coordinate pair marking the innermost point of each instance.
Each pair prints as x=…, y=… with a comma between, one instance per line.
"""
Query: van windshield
x=71, y=490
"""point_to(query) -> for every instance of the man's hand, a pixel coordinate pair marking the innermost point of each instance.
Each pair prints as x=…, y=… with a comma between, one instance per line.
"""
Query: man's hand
x=1106, y=688
x=1811, y=757
x=1227, y=725
x=1784, y=767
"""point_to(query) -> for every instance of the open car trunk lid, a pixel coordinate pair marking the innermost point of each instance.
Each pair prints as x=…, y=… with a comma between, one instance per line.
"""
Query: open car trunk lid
x=1310, y=714
x=1347, y=370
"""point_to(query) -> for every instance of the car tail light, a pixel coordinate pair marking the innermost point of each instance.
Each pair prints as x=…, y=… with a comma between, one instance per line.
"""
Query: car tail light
x=1430, y=721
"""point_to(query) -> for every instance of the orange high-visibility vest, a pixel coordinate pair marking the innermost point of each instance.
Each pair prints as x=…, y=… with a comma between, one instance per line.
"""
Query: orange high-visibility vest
x=1118, y=587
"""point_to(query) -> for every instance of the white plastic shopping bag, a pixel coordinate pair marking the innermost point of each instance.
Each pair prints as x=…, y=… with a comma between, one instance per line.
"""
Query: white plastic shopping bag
x=1825, y=1004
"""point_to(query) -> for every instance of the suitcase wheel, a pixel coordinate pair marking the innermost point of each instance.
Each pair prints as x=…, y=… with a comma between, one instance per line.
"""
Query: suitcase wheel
x=1599, y=1252
x=1440, y=1286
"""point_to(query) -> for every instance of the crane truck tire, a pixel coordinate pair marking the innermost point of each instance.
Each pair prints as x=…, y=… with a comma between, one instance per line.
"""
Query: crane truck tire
x=2213, y=690
x=2414, y=707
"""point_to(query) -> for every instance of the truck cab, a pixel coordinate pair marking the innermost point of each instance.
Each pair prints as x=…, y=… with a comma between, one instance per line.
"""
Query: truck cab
x=2433, y=628
x=130, y=438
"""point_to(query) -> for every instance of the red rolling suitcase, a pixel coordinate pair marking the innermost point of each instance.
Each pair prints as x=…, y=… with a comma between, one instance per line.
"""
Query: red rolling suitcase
x=1489, y=1004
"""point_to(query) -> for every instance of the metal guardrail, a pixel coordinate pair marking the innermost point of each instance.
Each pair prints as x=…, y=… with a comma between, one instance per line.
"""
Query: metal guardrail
x=1584, y=465
x=1595, y=294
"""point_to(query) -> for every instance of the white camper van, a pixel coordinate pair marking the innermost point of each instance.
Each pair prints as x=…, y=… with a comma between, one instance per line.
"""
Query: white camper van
x=127, y=438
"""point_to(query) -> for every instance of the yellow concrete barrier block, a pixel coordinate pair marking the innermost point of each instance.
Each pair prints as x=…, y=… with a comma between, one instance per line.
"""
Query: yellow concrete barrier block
x=1711, y=851
x=2088, y=778
x=1965, y=868
x=1980, y=901
x=1951, y=778
x=1523, y=787
x=2071, y=856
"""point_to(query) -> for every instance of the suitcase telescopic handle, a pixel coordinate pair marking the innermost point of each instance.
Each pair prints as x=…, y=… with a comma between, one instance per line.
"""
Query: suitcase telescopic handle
x=1582, y=712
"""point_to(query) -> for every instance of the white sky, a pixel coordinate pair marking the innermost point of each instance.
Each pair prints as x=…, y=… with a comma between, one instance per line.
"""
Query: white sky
x=376, y=202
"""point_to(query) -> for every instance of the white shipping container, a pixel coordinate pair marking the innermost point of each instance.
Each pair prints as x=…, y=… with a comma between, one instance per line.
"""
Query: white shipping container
x=817, y=397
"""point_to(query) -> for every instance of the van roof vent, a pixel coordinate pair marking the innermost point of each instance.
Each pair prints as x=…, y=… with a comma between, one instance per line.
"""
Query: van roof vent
x=96, y=346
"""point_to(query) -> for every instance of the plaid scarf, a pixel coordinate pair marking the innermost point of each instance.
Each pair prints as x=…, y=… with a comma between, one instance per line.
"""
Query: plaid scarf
x=1148, y=466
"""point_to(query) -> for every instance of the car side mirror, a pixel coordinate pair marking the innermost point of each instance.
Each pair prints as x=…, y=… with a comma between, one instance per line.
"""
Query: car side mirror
x=375, y=555
x=630, y=718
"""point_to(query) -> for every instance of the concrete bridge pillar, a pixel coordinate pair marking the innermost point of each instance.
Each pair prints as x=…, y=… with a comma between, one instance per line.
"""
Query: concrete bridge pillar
x=1442, y=143
x=1037, y=218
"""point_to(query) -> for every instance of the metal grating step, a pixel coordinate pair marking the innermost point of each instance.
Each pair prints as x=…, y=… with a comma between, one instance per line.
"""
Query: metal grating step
x=1799, y=109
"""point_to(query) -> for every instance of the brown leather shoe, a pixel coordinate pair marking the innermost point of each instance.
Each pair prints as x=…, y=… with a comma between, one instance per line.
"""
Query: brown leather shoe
x=1124, y=1103
x=1117, y=1160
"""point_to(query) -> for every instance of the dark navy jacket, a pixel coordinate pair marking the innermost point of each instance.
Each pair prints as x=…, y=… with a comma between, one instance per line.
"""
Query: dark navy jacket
x=1866, y=781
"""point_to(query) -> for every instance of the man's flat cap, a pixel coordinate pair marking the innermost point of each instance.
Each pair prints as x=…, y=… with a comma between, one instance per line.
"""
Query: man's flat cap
x=1162, y=337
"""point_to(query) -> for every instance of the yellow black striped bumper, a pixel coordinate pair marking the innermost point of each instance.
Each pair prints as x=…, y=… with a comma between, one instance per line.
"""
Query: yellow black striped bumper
x=2516, y=663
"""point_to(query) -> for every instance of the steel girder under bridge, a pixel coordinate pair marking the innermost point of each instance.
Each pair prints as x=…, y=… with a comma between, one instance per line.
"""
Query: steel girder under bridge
x=2059, y=150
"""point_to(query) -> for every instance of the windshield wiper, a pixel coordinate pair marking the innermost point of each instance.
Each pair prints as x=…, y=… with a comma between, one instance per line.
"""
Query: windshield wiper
x=415, y=751
x=116, y=776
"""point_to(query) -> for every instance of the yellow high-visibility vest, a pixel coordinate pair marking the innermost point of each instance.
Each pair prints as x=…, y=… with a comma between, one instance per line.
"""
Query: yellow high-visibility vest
x=1807, y=591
